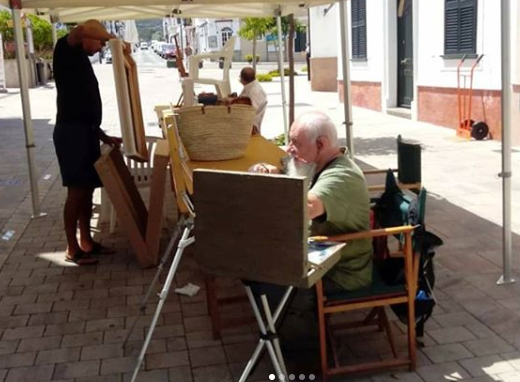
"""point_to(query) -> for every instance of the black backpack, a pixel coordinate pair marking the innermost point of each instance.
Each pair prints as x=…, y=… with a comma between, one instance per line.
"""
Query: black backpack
x=395, y=208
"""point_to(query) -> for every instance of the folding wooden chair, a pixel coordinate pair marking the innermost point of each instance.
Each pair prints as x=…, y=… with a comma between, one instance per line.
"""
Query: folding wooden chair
x=376, y=297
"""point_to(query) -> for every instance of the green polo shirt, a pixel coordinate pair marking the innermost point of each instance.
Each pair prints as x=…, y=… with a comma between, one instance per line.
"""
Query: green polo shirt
x=342, y=189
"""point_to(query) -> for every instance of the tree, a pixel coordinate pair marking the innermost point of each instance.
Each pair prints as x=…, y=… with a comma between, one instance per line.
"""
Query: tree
x=42, y=34
x=286, y=25
x=254, y=27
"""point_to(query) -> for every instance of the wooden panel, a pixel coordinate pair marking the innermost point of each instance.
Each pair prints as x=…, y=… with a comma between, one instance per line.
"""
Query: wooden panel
x=129, y=104
x=251, y=226
x=316, y=272
x=155, y=213
x=137, y=113
x=181, y=179
x=126, y=200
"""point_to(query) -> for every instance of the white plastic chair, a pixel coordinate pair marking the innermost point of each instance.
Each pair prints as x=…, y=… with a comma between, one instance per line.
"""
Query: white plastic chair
x=142, y=175
x=222, y=85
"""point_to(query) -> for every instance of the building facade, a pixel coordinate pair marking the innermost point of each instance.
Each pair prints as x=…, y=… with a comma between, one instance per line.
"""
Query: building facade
x=404, y=56
x=208, y=35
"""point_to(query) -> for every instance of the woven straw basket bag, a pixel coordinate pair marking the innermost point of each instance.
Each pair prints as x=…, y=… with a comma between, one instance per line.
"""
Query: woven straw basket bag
x=213, y=133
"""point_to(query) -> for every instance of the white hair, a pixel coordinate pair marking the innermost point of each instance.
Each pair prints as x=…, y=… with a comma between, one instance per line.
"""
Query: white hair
x=317, y=124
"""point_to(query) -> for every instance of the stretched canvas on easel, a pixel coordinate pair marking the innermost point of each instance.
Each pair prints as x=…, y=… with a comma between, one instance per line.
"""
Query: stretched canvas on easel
x=129, y=103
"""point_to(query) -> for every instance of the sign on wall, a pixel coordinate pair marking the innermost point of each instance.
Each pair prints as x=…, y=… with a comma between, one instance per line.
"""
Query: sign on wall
x=2, y=68
x=212, y=42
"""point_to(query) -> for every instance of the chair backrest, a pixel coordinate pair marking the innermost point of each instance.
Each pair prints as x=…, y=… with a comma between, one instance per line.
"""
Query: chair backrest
x=226, y=53
x=228, y=50
x=142, y=171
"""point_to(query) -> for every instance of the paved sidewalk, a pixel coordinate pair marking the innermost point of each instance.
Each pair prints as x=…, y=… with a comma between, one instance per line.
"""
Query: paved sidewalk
x=65, y=323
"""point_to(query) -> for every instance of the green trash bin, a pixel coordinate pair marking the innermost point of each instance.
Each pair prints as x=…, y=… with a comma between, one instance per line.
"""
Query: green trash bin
x=408, y=161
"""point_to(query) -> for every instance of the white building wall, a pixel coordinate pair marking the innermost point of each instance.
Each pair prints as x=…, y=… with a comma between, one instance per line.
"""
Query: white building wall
x=371, y=70
x=324, y=31
x=436, y=71
x=515, y=41
x=209, y=33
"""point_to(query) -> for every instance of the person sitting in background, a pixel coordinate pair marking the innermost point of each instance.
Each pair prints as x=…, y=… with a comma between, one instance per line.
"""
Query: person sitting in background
x=252, y=94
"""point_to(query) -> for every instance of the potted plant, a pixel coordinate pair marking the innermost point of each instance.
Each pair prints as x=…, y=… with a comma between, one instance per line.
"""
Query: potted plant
x=42, y=40
x=249, y=58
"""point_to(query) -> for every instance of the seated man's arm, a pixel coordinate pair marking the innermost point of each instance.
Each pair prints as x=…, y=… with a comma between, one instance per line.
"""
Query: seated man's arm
x=315, y=206
x=264, y=168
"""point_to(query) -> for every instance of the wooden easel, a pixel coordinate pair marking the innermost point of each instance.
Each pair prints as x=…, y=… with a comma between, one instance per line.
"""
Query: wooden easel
x=254, y=227
x=178, y=59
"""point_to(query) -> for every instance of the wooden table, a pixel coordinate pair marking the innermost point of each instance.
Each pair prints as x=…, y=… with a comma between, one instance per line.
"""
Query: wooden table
x=258, y=150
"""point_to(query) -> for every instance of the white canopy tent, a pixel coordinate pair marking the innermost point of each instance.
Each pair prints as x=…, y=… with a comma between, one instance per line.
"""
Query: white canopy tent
x=80, y=10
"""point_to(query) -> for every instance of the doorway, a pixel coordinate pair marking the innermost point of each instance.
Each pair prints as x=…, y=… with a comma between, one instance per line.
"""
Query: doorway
x=405, y=56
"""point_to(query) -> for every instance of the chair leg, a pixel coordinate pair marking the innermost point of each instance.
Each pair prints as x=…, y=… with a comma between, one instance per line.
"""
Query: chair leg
x=322, y=330
x=212, y=301
x=113, y=219
x=371, y=319
x=386, y=323
x=104, y=208
x=332, y=341
x=412, y=350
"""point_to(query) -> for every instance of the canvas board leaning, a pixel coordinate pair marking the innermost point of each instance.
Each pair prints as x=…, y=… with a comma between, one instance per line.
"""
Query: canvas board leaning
x=129, y=103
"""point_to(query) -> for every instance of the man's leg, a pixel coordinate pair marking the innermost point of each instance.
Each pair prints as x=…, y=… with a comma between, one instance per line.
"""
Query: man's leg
x=85, y=215
x=71, y=214
x=76, y=199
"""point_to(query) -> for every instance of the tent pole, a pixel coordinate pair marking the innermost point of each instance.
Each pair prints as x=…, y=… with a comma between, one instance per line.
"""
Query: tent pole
x=54, y=35
x=26, y=107
x=345, y=59
x=282, y=74
x=506, y=173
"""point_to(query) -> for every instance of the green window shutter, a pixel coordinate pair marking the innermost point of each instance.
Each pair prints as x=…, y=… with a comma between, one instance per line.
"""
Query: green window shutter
x=359, y=30
x=460, y=26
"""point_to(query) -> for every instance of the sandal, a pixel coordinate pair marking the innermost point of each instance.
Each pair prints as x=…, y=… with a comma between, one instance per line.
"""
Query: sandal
x=81, y=258
x=98, y=249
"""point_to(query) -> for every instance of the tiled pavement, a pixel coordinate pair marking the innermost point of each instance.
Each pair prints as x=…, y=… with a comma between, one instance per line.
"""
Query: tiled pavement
x=65, y=323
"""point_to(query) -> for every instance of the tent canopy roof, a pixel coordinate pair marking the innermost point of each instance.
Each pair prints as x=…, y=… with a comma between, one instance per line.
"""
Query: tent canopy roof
x=81, y=10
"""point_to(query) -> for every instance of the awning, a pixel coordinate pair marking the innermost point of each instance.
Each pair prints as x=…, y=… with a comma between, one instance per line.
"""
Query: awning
x=81, y=10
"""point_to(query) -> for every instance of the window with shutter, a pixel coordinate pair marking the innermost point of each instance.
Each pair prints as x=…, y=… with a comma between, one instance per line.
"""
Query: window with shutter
x=359, y=29
x=460, y=26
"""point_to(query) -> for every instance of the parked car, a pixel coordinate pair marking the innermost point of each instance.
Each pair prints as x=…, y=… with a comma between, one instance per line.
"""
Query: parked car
x=167, y=51
x=108, y=56
x=144, y=46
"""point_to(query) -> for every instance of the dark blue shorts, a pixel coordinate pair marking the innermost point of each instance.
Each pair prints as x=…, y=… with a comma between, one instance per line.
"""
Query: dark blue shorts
x=77, y=148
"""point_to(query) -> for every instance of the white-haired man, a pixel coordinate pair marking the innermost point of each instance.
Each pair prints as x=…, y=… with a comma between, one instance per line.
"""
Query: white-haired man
x=338, y=199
